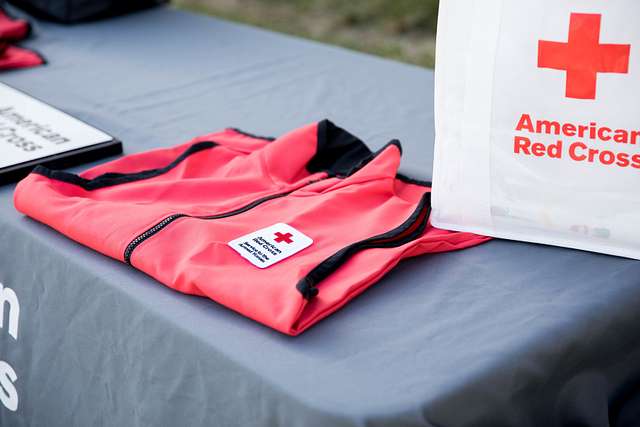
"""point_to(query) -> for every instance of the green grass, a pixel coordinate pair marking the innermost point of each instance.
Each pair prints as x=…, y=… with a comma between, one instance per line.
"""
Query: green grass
x=399, y=29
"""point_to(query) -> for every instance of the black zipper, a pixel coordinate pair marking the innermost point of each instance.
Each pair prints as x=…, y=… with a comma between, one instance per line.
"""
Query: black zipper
x=170, y=219
x=408, y=231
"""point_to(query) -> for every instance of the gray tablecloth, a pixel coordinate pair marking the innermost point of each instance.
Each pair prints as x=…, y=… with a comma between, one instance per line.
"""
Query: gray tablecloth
x=505, y=334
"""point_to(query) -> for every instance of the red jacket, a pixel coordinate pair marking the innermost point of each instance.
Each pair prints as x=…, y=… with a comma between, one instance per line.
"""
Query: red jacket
x=284, y=231
x=12, y=30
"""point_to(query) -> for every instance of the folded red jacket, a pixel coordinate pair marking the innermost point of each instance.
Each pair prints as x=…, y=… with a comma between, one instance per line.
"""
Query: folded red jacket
x=13, y=29
x=17, y=57
x=284, y=231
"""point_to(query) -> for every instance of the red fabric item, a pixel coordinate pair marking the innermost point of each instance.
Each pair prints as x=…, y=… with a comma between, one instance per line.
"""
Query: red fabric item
x=17, y=57
x=12, y=29
x=172, y=213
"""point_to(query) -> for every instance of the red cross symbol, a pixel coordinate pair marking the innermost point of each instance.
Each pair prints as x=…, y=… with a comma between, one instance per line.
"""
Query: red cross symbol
x=284, y=237
x=583, y=57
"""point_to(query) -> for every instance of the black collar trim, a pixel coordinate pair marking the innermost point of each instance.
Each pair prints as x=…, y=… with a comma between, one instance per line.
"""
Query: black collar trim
x=338, y=152
x=113, y=178
x=251, y=135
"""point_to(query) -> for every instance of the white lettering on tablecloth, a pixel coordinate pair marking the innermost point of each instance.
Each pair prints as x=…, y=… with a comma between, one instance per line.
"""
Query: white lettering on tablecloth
x=8, y=377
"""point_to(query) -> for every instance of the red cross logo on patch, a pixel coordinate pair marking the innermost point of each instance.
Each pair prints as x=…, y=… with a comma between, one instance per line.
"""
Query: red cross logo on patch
x=286, y=237
x=583, y=57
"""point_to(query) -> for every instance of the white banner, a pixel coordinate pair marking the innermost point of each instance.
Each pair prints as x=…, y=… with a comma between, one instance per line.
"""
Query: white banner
x=538, y=122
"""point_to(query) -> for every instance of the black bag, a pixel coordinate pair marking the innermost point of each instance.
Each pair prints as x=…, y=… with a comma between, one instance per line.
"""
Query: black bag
x=69, y=11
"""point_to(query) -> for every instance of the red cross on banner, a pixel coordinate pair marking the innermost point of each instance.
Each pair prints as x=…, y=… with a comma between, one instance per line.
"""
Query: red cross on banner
x=286, y=237
x=583, y=57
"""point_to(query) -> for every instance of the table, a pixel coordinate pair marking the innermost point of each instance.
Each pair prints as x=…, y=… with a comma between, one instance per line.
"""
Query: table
x=505, y=334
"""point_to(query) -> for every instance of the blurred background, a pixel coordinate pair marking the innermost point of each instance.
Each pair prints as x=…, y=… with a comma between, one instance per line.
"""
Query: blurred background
x=403, y=30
